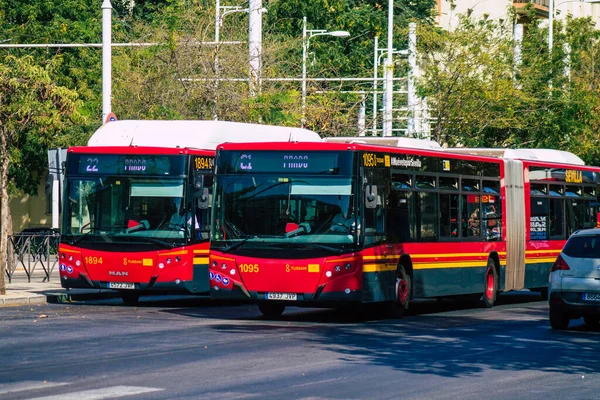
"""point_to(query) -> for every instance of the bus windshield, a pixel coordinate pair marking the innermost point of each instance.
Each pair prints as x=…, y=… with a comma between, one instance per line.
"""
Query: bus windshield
x=258, y=211
x=136, y=210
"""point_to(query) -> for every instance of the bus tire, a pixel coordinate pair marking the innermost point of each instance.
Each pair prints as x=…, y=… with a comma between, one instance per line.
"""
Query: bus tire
x=130, y=298
x=402, y=293
x=490, y=288
x=271, y=310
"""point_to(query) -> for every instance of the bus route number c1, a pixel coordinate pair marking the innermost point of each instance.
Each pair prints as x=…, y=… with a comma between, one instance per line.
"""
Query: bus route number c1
x=204, y=162
x=369, y=159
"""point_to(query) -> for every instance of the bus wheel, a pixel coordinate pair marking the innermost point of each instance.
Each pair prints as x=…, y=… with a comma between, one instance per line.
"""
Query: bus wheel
x=491, y=284
x=401, y=293
x=271, y=310
x=130, y=298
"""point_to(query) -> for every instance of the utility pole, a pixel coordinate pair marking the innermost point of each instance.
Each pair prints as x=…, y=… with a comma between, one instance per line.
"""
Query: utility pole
x=106, y=59
x=255, y=11
x=389, y=74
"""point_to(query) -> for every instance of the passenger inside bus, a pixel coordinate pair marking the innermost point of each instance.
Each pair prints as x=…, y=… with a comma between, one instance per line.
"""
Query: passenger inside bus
x=180, y=221
x=474, y=223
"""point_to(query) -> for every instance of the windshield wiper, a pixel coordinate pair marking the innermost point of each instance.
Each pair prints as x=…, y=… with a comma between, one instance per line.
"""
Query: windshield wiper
x=236, y=245
x=73, y=242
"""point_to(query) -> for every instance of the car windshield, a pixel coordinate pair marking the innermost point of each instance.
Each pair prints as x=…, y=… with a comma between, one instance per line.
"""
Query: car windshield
x=123, y=209
x=284, y=212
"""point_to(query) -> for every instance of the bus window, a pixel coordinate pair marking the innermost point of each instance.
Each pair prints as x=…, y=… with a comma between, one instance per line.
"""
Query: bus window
x=471, y=218
x=557, y=218
x=426, y=216
x=401, y=181
x=470, y=185
x=538, y=220
x=448, y=215
x=491, y=187
x=556, y=190
x=492, y=218
x=425, y=182
x=538, y=189
x=400, y=221
x=375, y=219
x=448, y=183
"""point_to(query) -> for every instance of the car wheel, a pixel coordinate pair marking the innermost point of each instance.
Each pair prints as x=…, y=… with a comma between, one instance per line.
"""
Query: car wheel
x=593, y=321
x=402, y=287
x=130, y=298
x=271, y=310
x=490, y=284
x=558, y=319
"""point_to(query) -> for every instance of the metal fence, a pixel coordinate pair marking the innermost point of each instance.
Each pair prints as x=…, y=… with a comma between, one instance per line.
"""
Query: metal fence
x=30, y=252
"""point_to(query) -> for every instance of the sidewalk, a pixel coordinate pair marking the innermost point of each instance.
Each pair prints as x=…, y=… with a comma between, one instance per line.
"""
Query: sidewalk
x=22, y=292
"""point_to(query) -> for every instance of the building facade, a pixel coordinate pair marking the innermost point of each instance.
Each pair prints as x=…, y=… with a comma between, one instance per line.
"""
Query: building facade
x=450, y=10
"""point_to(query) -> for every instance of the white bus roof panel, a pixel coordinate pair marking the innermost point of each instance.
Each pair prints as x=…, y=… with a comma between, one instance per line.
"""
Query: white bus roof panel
x=543, y=155
x=392, y=141
x=193, y=134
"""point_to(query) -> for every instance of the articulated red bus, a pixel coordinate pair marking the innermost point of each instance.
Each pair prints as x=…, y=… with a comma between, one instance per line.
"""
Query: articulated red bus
x=136, y=204
x=337, y=224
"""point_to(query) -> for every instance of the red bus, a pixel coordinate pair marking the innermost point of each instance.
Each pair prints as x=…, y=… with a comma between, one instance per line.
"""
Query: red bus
x=136, y=204
x=371, y=220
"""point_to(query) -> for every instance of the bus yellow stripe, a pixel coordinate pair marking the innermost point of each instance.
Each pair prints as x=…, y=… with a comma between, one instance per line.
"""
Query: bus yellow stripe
x=205, y=251
x=378, y=267
x=439, y=265
x=535, y=260
x=70, y=251
x=175, y=253
x=200, y=260
x=418, y=256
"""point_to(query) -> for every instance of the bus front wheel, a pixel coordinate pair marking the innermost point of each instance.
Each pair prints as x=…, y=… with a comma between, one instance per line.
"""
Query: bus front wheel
x=271, y=310
x=490, y=284
x=402, y=293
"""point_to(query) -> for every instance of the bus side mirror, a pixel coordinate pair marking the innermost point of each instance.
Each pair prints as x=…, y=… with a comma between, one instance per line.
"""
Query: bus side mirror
x=203, y=199
x=370, y=196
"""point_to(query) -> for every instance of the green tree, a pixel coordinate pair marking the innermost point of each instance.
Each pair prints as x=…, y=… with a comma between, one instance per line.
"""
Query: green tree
x=469, y=83
x=33, y=110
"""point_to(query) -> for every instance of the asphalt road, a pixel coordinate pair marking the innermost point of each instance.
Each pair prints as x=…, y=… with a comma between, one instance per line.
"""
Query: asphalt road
x=192, y=349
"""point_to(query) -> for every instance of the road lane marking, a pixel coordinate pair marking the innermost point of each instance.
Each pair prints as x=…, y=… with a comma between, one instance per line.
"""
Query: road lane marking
x=27, y=385
x=99, y=394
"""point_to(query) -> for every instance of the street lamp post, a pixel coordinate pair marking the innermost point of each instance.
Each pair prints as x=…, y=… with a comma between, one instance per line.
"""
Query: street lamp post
x=307, y=34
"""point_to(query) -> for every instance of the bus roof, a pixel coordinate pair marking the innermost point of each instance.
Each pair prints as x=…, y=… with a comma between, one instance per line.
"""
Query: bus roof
x=193, y=134
x=542, y=155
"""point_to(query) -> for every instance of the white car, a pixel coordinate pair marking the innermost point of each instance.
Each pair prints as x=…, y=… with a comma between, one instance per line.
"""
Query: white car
x=574, y=283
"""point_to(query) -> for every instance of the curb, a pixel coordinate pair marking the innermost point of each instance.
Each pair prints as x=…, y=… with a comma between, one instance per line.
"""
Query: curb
x=33, y=299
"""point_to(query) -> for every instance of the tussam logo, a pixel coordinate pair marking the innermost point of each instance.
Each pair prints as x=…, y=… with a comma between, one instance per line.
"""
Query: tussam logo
x=118, y=273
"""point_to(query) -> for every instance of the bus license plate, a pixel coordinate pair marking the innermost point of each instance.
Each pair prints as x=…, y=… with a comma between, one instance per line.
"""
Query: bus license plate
x=591, y=296
x=281, y=296
x=121, y=285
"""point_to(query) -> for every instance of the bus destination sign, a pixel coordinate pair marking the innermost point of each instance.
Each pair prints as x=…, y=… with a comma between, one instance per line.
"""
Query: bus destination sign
x=130, y=164
x=311, y=162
